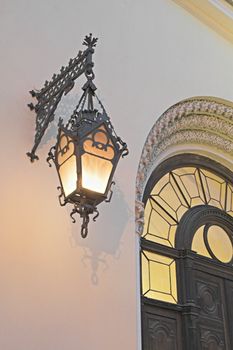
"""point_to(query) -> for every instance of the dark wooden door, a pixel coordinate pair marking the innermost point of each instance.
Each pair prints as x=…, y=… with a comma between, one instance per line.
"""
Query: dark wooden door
x=215, y=303
x=203, y=319
x=161, y=328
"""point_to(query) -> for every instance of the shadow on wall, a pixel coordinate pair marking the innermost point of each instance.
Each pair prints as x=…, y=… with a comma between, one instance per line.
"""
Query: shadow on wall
x=64, y=111
x=104, y=236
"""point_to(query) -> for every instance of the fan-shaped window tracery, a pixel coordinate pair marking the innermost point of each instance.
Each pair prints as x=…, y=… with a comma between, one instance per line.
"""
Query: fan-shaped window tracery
x=171, y=196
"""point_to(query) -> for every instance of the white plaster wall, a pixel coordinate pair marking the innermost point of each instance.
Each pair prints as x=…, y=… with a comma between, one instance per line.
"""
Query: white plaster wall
x=58, y=291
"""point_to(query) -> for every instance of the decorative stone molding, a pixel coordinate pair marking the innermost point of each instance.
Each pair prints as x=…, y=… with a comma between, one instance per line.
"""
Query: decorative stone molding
x=139, y=214
x=217, y=14
x=230, y=2
x=200, y=120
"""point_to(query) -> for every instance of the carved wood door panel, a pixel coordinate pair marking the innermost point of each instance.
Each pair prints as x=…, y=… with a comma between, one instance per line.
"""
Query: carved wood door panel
x=229, y=303
x=161, y=329
x=214, y=298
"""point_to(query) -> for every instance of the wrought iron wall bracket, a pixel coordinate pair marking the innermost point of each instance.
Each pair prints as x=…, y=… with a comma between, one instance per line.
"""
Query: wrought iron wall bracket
x=61, y=84
x=83, y=125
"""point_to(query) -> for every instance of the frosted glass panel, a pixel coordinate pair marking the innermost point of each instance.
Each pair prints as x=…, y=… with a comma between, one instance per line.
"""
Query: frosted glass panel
x=99, y=144
x=95, y=173
x=68, y=174
x=66, y=153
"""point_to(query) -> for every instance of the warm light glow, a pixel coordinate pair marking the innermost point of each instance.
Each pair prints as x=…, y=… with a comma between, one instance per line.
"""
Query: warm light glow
x=172, y=196
x=158, y=277
x=63, y=156
x=95, y=173
x=105, y=147
x=68, y=175
x=198, y=244
x=220, y=243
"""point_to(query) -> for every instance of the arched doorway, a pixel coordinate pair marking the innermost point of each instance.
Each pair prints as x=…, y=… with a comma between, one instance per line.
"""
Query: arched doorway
x=186, y=251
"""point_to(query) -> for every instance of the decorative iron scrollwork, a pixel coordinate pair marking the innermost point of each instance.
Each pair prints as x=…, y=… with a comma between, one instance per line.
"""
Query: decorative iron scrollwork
x=50, y=95
x=108, y=200
x=84, y=210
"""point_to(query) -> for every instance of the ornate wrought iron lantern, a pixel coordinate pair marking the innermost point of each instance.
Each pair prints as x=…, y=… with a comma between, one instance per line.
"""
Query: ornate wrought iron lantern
x=87, y=149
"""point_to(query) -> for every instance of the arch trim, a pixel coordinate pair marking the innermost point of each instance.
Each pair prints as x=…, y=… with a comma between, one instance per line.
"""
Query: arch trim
x=195, y=121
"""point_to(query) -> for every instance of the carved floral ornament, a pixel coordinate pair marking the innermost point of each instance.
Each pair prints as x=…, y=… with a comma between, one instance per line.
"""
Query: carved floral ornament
x=200, y=120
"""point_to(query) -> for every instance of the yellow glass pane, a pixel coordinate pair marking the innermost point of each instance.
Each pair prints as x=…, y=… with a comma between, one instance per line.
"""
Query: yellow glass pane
x=172, y=235
x=215, y=203
x=190, y=184
x=229, y=201
x=197, y=201
x=68, y=175
x=164, y=207
x=158, y=226
x=220, y=243
x=160, y=280
x=200, y=199
x=157, y=257
x=171, y=219
x=198, y=244
x=160, y=184
x=160, y=296
x=172, y=196
x=180, y=189
x=214, y=188
x=173, y=279
x=95, y=173
x=180, y=212
x=223, y=194
x=169, y=196
x=145, y=274
x=212, y=176
x=147, y=213
x=157, y=239
x=184, y=171
x=161, y=276
x=205, y=187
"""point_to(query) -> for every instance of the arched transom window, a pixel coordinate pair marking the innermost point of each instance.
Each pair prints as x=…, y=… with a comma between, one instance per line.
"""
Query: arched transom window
x=178, y=185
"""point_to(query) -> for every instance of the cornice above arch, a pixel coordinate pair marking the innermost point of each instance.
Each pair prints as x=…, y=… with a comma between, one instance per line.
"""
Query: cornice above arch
x=199, y=120
x=217, y=14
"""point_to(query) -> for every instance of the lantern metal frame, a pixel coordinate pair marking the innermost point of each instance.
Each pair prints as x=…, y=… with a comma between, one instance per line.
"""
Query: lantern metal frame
x=84, y=120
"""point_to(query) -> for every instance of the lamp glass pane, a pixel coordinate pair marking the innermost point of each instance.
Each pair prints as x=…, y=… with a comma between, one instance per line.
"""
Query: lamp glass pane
x=68, y=174
x=95, y=173
x=107, y=153
x=66, y=152
x=99, y=143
